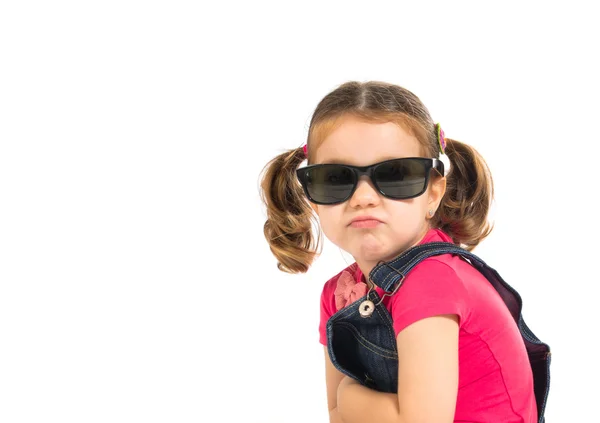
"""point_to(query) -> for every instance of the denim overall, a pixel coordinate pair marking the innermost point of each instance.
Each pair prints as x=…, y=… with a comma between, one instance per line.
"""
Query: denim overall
x=364, y=347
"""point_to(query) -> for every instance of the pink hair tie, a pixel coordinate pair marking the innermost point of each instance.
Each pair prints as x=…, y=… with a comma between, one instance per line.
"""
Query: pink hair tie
x=441, y=138
x=305, y=149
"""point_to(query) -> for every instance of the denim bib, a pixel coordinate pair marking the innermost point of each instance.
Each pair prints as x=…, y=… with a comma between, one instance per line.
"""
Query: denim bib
x=361, y=340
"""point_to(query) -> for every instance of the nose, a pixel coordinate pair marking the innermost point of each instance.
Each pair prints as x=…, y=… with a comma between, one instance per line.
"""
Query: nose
x=365, y=194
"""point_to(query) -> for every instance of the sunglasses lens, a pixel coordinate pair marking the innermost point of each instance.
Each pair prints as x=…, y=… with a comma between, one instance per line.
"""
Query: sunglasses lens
x=330, y=183
x=402, y=178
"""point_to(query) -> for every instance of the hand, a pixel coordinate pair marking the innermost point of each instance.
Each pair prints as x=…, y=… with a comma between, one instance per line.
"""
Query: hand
x=346, y=381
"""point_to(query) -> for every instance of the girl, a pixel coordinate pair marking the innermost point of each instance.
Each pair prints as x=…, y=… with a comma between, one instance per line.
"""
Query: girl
x=382, y=179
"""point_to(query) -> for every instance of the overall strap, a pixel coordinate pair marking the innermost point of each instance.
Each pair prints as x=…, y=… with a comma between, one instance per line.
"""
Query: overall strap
x=390, y=275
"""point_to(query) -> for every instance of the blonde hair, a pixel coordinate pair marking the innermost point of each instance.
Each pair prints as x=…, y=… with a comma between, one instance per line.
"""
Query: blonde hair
x=463, y=210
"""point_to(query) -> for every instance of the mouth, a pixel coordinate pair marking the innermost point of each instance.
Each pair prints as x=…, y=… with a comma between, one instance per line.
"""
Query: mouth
x=365, y=222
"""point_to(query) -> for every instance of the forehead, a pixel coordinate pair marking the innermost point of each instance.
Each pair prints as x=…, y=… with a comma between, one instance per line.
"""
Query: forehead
x=360, y=143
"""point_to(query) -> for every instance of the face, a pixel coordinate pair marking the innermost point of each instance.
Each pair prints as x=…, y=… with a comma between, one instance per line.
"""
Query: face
x=403, y=223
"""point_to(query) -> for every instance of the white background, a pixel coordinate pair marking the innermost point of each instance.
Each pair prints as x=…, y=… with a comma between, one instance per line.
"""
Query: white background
x=135, y=281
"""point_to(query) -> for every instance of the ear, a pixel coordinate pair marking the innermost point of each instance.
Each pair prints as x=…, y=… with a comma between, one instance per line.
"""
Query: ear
x=437, y=189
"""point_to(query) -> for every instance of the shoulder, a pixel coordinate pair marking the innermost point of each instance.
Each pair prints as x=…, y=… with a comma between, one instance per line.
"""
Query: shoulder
x=438, y=271
x=431, y=288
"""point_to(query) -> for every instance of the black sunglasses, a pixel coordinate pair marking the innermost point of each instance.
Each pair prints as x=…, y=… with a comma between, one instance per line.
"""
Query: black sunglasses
x=399, y=179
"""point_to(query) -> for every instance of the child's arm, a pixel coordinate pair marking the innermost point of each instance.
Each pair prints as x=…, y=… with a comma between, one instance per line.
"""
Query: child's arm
x=333, y=378
x=427, y=379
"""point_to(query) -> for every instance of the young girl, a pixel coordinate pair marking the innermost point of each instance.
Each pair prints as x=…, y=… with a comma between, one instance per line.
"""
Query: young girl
x=382, y=178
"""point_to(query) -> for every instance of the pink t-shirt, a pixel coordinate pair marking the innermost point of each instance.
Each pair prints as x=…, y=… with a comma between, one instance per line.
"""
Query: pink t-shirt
x=495, y=379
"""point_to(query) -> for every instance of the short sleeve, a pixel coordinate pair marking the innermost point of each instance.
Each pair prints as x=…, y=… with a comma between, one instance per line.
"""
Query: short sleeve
x=432, y=288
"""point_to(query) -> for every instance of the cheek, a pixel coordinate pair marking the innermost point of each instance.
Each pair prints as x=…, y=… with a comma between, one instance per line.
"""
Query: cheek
x=410, y=214
x=331, y=219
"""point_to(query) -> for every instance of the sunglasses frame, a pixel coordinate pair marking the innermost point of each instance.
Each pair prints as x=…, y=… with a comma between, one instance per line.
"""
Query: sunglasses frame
x=358, y=171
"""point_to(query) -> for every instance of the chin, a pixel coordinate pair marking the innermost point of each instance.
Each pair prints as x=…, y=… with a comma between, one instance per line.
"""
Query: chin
x=373, y=254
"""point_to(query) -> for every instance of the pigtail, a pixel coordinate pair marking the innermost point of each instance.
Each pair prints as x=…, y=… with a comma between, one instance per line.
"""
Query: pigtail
x=288, y=228
x=463, y=212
